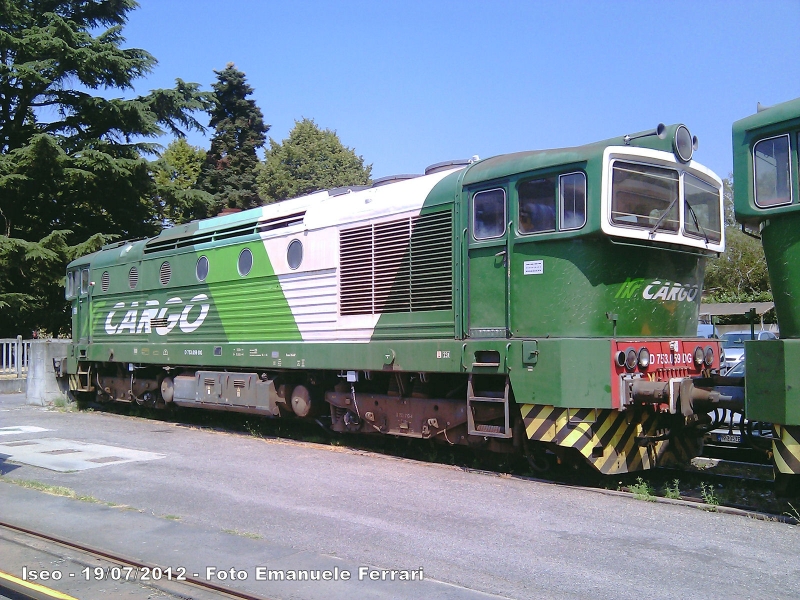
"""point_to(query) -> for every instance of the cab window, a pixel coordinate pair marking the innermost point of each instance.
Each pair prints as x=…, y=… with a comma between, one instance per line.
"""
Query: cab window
x=537, y=205
x=69, y=292
x=489, y=214
x=84, y=282
x=772, y=172
x=572, y=198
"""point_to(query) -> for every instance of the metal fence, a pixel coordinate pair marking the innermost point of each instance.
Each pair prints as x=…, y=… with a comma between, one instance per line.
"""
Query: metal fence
x=14, y=357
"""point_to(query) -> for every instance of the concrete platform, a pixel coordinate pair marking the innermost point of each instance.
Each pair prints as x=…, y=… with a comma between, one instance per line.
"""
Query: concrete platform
x=227, y=500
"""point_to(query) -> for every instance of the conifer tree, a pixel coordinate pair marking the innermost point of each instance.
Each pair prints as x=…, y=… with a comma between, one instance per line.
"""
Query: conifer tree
x=310, y=159
x=229, y=172
x=72, y=165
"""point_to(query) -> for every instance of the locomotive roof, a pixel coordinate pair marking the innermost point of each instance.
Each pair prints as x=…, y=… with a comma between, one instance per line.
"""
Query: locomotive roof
x=778, y=114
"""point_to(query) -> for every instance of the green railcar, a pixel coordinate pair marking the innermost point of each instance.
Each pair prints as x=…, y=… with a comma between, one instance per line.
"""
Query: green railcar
x=538, y=301
x=767, y=199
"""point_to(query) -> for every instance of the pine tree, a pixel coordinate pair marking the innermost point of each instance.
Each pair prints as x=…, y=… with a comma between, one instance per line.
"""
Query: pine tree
x=229, y=172
x=310, y=159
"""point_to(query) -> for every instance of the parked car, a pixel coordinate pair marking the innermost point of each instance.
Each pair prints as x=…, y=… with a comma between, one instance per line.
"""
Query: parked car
x=707, y=330
x=733, y=345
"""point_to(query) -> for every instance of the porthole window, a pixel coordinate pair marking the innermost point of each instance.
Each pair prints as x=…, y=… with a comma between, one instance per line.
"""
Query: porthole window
x=294, y=254
x=245, y=262
x=105, y=280
x=201, y=270
x=165, y=273
x=133, y=278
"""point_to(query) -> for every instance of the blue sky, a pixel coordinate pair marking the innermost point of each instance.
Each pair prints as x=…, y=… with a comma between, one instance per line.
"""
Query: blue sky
x=410, y=83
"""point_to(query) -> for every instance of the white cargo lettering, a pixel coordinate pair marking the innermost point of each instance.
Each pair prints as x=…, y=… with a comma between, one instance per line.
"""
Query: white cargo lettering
x=175, y=313
x=188, y=327
x=670, y=292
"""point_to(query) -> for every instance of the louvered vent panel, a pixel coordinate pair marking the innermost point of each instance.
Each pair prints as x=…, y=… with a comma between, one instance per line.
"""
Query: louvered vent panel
x=133, y=277
x=400, y=266
x=356, y=271
x=165, y=273
x=432, y=263
x=390, y=267
x=105, y=281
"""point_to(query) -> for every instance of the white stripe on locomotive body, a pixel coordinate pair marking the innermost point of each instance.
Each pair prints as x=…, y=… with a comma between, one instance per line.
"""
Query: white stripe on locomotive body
x=312, y=290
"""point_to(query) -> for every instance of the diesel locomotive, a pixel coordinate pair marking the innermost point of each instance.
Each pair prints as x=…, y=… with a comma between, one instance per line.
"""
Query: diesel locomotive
x=766, y=147
x=543, y=302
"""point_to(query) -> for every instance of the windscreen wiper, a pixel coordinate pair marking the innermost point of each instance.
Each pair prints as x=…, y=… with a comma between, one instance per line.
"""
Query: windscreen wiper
x=663, y=215
x=696, y=222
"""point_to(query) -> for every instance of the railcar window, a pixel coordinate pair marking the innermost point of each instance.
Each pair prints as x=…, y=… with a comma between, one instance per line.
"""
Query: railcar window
x=201, y=270
x=70, y=288
x=644, y=196
x=772, y=172
x=245, y=262
x=489, y=214
x=572, y=197
x=537, y=205
x=701, y=209
x=294, y=254
x=85, y=281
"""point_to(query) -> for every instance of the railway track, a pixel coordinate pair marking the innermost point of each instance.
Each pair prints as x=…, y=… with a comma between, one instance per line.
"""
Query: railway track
x=76, y=562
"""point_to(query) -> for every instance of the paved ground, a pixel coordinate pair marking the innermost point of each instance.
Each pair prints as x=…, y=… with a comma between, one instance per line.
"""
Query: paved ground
x=293, y=506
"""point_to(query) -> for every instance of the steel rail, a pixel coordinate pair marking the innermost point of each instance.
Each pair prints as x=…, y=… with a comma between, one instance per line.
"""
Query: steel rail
x=127, y=561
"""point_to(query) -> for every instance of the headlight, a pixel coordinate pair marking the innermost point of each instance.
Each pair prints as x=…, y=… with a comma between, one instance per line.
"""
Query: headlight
x=644, y=358
x=699, y=356
x=683, y=143
x=630, y=359
x=709, y=357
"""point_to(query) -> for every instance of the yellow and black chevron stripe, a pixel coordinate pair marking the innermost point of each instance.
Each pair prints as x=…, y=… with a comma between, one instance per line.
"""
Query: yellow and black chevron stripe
x=786, y=449
x=607, y=438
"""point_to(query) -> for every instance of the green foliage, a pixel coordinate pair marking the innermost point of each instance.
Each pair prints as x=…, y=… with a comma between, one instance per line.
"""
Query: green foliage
x=71, y=163
x=740, y=273
x=709, y=497
x=31, y=288
x=310, y=159
x=673, y=491
x=642, y=490
x=229, y=171
x=176, y=174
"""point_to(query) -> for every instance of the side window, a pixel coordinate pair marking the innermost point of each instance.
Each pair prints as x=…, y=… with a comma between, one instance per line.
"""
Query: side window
x=772, y=172
x=572, y=198
x=537, y=205
x=489, y=214
x=69, y=292
x=84, y=281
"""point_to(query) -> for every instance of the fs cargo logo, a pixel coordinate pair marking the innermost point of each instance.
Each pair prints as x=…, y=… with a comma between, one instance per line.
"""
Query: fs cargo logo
x=161, y=319
x=657, y=290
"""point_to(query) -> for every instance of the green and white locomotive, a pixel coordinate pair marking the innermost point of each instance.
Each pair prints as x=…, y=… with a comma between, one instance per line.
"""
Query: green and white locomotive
x=542, y=301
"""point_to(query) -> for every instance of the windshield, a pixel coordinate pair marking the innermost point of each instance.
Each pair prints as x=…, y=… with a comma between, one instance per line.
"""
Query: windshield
x=649, y=197
x=701, y=218
x=734, y=340
x=644, y=196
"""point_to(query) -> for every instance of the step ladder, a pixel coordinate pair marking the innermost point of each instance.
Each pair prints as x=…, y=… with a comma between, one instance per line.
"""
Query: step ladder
x=490, y=405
